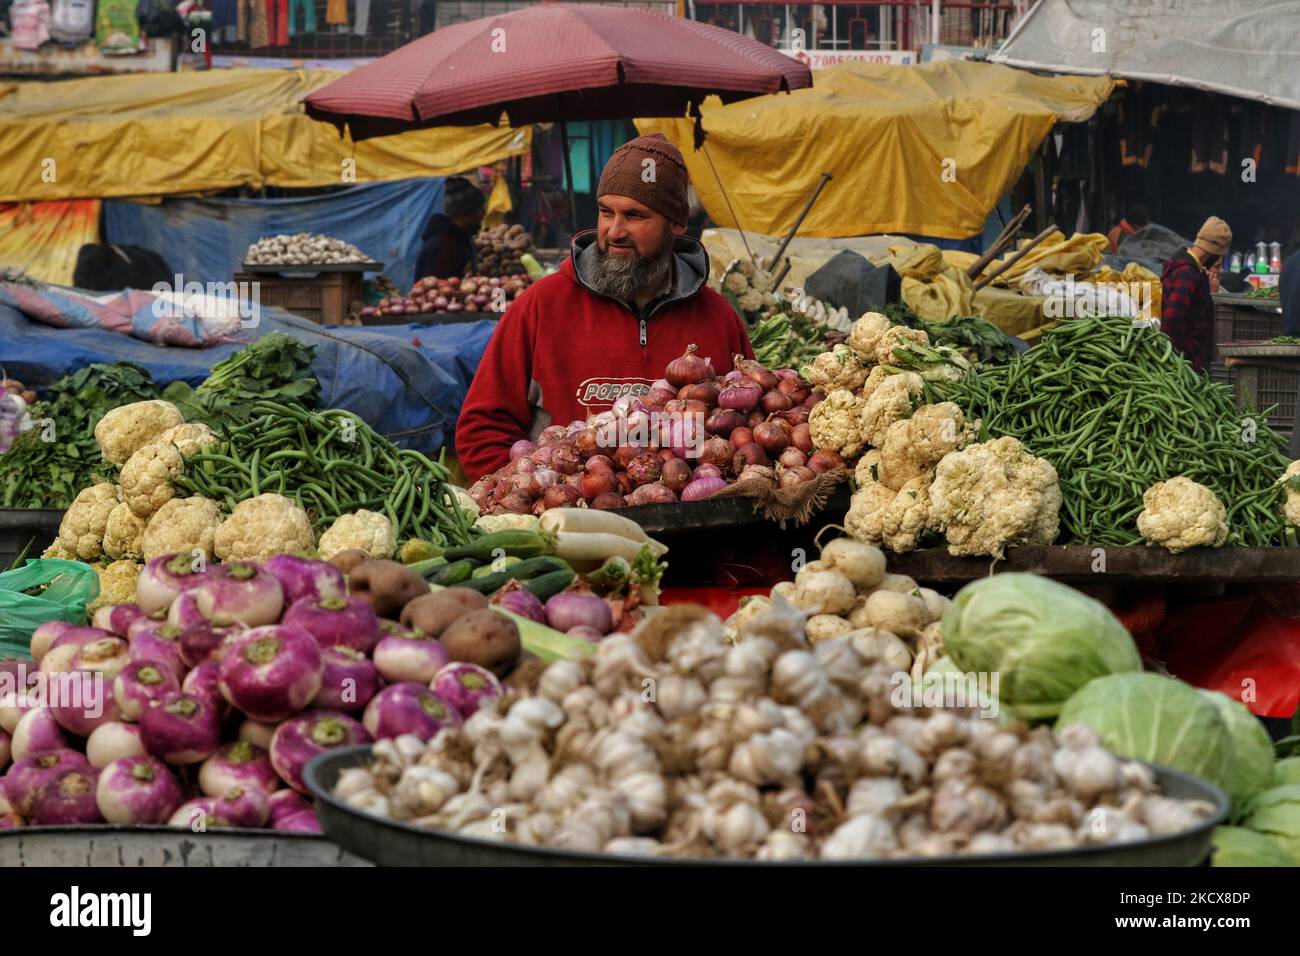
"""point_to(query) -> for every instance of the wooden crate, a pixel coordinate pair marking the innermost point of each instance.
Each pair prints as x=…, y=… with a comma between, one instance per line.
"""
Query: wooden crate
x=324, y=297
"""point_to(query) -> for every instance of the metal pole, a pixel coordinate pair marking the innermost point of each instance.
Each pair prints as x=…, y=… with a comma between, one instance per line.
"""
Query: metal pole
x=821, y=184
x=935, y=17
x=568, y=169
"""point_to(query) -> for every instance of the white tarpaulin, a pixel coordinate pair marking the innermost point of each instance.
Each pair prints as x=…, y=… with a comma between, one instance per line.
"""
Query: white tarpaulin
x=1246, y=48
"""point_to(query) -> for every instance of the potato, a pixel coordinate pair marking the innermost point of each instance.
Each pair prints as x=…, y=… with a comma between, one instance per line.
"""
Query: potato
x=387, y=585
x=485, y=638
x=434, y=613
x=345, y=561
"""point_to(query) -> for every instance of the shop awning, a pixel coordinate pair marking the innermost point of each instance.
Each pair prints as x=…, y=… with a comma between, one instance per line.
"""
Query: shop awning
x=926, y=149
x=1245, y=48
x=120, y=136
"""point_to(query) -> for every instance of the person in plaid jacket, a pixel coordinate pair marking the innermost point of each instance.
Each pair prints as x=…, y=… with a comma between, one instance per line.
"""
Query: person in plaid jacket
x=1186, y=307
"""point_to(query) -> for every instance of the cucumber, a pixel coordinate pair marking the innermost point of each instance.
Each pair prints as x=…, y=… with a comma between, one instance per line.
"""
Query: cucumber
x=553, y=582
x=427, y=569
x=512, y=542
x=456, y=572
x=495, y=567
x=523, y=571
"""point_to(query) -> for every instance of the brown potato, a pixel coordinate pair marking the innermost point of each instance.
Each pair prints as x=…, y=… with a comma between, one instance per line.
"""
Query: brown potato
x=485, y=638
x=345, y=561
x=434, y=613
x=388, y=585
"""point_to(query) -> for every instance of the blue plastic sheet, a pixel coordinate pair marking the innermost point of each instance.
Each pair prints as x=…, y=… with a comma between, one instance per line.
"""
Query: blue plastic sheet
x=407, y=381
x=205, y=239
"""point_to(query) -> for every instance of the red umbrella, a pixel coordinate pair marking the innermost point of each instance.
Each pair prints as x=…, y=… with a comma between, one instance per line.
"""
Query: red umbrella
x=554, y=62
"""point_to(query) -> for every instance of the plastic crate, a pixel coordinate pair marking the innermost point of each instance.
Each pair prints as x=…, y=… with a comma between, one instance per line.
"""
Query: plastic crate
x=1241, y=319
x=324, y=298
x=1262, y=386
x=1220, y=373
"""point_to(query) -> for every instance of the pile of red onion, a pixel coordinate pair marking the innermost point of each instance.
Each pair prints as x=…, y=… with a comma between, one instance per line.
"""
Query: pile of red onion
x=692, y=434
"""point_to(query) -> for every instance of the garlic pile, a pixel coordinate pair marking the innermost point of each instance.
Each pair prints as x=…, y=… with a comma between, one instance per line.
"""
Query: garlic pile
x=675, y=742
x=303, y=248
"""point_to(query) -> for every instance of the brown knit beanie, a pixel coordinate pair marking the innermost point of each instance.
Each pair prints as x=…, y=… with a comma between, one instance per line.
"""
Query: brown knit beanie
x=1215, y=236
x=650, y=170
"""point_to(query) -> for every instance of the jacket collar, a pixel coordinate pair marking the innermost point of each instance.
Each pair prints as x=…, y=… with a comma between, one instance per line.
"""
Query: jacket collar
x=690, y=270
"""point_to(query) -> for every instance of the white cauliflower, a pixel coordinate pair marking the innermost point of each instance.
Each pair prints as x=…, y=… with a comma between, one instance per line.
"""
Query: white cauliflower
x=868, y=468
x=367, y=531
x=874, y=380
x=60, y=551
x=189, y=438
x=464, y=502
x=260, y=527
x=891, y=401
x=906, y=516
x=147, y=477
x=735, y=284
x=490, y=523
x=865, y=520
x=751, y=301
x=1180, y=513
x=898, y=462
x=993, y=495
x=125, y=430
x=834, y=423
x=838, y=368
x=865, y=334
x=895, y=336
x=1291, y=505
x=81, y=532
x=747, y=268
x=124, y=534
x=117, y=583
x=762, y=281
x=913, y=446
x=182, y=525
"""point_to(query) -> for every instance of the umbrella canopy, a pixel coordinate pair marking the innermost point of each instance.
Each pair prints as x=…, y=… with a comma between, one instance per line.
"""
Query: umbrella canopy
x=554, y=62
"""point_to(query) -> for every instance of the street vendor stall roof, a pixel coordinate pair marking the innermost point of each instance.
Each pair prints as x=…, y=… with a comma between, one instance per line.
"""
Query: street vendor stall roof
x=1245, y=48
x=923, y=149
x=121, y=136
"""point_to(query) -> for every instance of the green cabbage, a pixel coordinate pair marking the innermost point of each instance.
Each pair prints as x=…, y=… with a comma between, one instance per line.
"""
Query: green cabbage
x=1276, y=813
x=1237, y=846
x=1043, y=639
x=1251, y=768
x=1156, y=719
x=1286, y=770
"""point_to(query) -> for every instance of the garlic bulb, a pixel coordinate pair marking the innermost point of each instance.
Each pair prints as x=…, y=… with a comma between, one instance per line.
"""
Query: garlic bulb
x=527, y=723
x=797, y=678
x=874, y=795
x=767, y=758
x=647, y=799
x=422, y=791
x=782, y=845
x=962, y=806
x=530, y=775
x=620, y=664
x=617, y=754
x=567, y=788
x=353, y=780
x=677, y=696
x=737, y=829
x=633, y=846
x=751, y=658
x=842, y=664
x=1087, y=772
x=861, y=838
x=560, y=679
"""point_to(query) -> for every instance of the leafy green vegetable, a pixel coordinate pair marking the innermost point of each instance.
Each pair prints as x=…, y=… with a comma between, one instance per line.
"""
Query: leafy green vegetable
x=787, y=341
x=979, y=340
x=1286, y=771
x=1157, y=719
x=1276, y=812
x=1238, y=846
x=1251, y=767
x=648, y=571
x=1044, y=639
x=277, y=368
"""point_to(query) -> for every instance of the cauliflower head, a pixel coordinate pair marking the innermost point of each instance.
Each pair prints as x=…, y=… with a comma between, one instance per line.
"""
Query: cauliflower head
x=735, y=284
x=182, y=525
x=147, y=477
x=189, y=438
x=751, y=301
x=838, y=368
x=834, y=423
x=125, y=430
x=989, y=496
x=1291, y=505
x=490, y=523
x=875, y=379
x=117, y=583
x=890, y=402
x=260, y=527
x=895, y=336
x=939, y=429
x=124, y=534
x=865, y=520
x=868, y=468
x=906, y=516
x=60, y=551
x=1180, y=513
x=367, y=531
x=866, y=333
x=81, y=532
x=899, y=463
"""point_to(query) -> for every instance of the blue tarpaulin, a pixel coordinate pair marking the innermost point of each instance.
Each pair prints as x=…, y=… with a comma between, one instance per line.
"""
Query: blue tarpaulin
x=205, y=239
x=407, y=381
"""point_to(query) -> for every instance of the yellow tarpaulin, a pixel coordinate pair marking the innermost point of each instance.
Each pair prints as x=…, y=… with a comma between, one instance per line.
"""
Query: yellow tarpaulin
x=43, y=238
x=149, y=135
x=926, y=149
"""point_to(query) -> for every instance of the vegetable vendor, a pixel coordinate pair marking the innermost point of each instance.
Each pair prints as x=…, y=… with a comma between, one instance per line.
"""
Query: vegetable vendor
x=1186, y=306
x=448, y=240
x=631, y=297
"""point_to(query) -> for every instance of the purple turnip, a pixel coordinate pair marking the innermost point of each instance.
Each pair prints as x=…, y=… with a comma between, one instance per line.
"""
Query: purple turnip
x=257, y=733
x=205, y=681
x=336, y=621
x=113, y=741
x=107, y=656
x=302, y=822
x=23, y=783
x=16, y=696
x=12, y=821
x=239, y=591
x=59, y=656
x=207, y=641
x=348, y=682
x=165, y=578
x=240, y=764
x=67, y=799
x=271, y=673
x=45, y=635
x=197, y=815
x=568, y=609
x=241, y=807
x=83, y=700
x=158, y=641
x=36, y=732
x=465, y=686
x=306, y=578
x=137, y=790
x=140, y=682
x=180, y=728
x=184, y=612
x=516, y=600
x=287, y=802
x=118, y=618
x=410, y=658
x=408, y=708
x=6, y=749
x=303, y=737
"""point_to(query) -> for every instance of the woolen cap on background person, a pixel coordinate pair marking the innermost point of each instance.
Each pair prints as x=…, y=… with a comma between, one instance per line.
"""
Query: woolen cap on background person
x=1215, y=236
x=666, y=194
x=461, y=197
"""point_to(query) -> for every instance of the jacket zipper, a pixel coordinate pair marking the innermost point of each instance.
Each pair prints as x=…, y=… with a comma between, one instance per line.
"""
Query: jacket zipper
x=643, y=335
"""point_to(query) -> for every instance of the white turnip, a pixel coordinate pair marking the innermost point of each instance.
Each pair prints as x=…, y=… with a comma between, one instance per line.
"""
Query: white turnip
x=113, y=741
x=139, y=683
x=180, y=728
x=349, y=681
x=137, y=790
x=271, y=673
x=416, y=658
x=300, y=738
x=240, y=764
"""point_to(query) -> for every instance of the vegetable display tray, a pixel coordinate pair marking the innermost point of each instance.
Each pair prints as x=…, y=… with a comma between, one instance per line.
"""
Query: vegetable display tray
x=429, y=318
x=1078, y=563
x=104, y=845
x=683, y=516
x=1259, y=350
x=390, y=843
x=310, y=268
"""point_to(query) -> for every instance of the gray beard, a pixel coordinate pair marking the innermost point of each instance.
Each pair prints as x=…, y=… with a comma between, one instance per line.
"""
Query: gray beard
x=621, y=279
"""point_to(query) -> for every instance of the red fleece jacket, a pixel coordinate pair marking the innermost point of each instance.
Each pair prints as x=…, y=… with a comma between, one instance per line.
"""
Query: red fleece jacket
x=562, y=352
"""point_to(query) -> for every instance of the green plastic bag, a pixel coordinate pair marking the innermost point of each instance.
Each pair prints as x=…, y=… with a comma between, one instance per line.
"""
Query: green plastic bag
x=72, y=585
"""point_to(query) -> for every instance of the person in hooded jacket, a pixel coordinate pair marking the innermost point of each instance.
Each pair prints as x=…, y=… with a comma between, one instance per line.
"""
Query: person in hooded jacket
x=447, y=248
x=631, y=297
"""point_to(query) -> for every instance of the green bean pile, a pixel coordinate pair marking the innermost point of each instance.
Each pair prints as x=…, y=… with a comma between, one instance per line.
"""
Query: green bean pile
x=331, y=463
x=1115, y=409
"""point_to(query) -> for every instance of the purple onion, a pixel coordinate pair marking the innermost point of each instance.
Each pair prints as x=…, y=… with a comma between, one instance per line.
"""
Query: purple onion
x=137, y=790
x=180, y=728
x=165, y=578
x=569, y=609
x=414, y=659
x=706, y=471
x=306, y=578
x=585, y=632
x=521, y=602
x=338, y=621
x=521, y=448
x=272, y=672
x=408, y=709
x=349, y=681
x=465, y=686
x=702, y=488
x=300, y=738
x=139, y=683
x=741, y=396
x=240, y=764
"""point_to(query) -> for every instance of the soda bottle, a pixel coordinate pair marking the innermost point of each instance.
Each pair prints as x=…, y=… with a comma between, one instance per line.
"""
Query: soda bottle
x=1261, y=258
x=1235, y=264
x=1275, y=257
